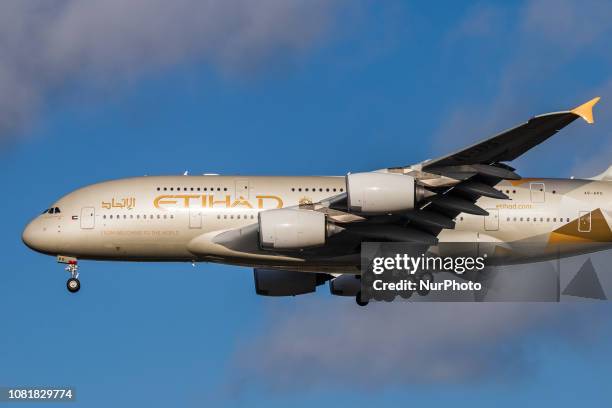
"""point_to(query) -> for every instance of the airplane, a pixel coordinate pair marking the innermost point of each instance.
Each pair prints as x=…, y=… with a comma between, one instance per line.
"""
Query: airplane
x=298, y=233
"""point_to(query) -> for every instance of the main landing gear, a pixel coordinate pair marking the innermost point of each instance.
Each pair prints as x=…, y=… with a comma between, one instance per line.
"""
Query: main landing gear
x=359, y=301
x=422, y=290
x=73, y=284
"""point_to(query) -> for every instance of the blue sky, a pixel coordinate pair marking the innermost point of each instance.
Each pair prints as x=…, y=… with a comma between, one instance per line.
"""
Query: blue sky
x=265, y=88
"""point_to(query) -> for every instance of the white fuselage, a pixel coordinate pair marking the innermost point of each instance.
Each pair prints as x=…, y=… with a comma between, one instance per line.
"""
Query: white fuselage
x=175, y=218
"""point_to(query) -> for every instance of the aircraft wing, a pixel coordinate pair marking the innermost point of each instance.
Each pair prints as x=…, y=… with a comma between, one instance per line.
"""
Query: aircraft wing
x=455, y=181
x=452, y=184
x=512, y=143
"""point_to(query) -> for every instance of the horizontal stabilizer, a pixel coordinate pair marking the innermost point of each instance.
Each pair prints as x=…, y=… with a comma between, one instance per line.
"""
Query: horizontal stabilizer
x=605, y=176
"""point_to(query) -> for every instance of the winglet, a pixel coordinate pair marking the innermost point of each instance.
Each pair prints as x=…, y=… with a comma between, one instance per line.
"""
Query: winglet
x=585, y=111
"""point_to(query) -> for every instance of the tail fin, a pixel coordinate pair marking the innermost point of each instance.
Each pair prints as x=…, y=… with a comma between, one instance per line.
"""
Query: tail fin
x=605, y=176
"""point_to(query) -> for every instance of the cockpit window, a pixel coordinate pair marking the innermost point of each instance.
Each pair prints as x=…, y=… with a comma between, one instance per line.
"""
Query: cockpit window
x=55, y=210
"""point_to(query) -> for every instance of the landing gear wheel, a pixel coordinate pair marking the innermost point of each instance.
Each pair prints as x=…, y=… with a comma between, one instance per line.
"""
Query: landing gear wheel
x=426, y=277
x=359, y=301
x=72, y=267
x=73, y=285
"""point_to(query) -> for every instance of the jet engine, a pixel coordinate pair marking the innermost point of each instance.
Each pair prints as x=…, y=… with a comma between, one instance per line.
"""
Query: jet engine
x=273, y=282
x=382, y=193
x=294, y=229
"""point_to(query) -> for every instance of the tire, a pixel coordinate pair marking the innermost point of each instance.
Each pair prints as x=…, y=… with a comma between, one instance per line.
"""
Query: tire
x=426, y=277
x=73, y=285
x=359, y=301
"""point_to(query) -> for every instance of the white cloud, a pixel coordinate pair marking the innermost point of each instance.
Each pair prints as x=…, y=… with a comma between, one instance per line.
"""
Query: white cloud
x=45, y=46
x=569, y=24
x=334, y=343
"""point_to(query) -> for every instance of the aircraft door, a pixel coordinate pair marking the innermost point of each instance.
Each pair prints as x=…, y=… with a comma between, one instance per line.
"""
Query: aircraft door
x=491, y=221
x=88, y=217
x=538, y=192
x=242, y=188
x=195, y=218
x=584, y=221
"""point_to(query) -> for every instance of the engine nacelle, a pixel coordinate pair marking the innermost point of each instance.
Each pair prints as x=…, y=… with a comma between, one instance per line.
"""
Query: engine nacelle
x=345, y=285
x=272, y=282
x=382, y=193
x=293, y=229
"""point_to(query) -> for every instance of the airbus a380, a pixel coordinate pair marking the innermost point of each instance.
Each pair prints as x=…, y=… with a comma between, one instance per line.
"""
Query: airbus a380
x=299, y=232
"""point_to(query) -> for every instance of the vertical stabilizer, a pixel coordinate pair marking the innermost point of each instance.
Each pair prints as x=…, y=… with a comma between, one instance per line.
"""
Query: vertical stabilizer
x=605, y=176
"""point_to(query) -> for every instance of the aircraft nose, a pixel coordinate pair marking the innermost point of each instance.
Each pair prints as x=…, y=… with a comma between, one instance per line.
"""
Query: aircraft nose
x=28, y=235
x=32, y=236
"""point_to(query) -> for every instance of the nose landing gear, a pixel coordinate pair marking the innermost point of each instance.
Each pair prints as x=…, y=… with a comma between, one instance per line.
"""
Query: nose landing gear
x=73, y=284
